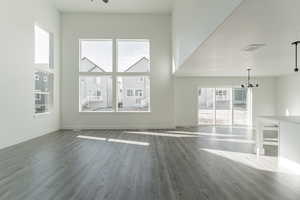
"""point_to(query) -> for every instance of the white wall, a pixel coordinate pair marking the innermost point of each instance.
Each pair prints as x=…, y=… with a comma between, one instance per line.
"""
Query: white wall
x=155, y=27
x=194, y=21
x=17, y=19
x=288, y=95
x=186, y=96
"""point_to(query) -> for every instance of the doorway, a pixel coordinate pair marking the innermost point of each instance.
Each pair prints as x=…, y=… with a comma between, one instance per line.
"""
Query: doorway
x=224, y=106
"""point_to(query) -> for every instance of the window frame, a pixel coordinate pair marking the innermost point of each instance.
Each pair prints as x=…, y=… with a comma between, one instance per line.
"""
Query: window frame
x=47, y=68
x=114, y=74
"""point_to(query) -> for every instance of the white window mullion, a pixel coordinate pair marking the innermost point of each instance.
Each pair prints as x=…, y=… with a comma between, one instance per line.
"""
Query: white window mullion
x=231, y=104
x=114, y=78
x=215, y=115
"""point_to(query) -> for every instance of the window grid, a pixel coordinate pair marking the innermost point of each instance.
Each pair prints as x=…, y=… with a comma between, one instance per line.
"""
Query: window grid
x=115, y=74
x=43, y=71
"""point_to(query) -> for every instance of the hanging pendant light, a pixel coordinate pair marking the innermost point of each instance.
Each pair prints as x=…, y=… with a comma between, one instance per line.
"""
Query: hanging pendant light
x=250, y=84
x=296, y=55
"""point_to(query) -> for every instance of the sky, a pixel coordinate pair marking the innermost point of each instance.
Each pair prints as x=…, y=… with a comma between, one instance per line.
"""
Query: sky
x=129, y=52
x=42, y=48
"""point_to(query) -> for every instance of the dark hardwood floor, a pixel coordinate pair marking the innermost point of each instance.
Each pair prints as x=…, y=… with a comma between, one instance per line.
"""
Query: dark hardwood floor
x=186, y=164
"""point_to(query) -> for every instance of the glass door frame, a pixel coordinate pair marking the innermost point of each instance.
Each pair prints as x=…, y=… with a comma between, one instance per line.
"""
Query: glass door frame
x=249, y=107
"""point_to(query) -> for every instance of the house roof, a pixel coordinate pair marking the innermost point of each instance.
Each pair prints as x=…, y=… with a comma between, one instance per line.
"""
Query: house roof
x=136, y=63
x=102, y=70
x=95, y=65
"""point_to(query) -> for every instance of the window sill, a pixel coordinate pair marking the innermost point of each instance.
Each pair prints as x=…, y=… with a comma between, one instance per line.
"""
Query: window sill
x=114, y=112
x=87, y=112
x=133, y=112
x=39, y=115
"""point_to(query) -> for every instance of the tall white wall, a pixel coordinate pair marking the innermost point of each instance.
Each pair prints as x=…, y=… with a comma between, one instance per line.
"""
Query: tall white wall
x=186, y=96
x=194, y=21
x=288, y=95
x=17, y=19
x=155, y=27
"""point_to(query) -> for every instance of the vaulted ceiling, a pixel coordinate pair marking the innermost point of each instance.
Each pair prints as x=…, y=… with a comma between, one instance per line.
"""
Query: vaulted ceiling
x=115, y=6
x=272, y=23
x=211, y=46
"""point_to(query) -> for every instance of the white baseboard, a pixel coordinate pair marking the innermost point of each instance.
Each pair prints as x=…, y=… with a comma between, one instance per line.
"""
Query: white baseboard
x=25, y=139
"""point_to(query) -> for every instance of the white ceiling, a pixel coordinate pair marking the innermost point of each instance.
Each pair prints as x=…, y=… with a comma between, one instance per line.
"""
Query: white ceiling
x=115, y=6
x=273, y=22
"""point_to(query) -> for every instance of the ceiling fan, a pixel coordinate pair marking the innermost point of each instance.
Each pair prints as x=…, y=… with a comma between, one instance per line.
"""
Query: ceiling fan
x=105, y=1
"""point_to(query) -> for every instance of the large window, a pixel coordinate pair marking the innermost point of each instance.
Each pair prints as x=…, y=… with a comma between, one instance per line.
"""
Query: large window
x=224, y=106
x=114, y=75
x=43, y=75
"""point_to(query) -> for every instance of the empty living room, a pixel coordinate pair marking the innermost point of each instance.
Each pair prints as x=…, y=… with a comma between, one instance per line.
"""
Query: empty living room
x=150, y=100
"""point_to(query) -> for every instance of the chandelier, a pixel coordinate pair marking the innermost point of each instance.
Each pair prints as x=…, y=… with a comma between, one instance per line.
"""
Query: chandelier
x=296, y=55
x=250, y=84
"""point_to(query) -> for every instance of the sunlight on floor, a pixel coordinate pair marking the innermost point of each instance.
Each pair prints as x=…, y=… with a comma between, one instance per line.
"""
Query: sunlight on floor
x=244, y=141
x=91, y=138
x=204, y=134
x=265, y=163
x=128, y=142
x=160, y=134
x=114, y=140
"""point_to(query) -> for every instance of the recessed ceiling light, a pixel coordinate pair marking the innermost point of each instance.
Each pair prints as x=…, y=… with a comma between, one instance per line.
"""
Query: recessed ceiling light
x=253, y=47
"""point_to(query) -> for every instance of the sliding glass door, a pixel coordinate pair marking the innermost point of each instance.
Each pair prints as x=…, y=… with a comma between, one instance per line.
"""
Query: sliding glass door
x=206, y=106
x=223, y=106
x=240, y=106
x=223, y=102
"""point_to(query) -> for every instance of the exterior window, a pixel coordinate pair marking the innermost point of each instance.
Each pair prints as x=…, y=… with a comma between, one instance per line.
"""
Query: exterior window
x=138, y=93
x=133, y=55
x=37, y=97
x=224, y=106
x=44, y=74
x=43, y=94
x=45, y=79
x=96, y=56
x=134, y=102
x=95, y=86
x=129, y=92
x=95, y=93
x=36, y=77
x=128, y=75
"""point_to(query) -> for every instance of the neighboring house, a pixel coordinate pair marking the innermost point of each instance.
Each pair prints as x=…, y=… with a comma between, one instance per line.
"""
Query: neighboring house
x=142, y=65
x=135, y=90
x=223, y=97
x=96, y=92
x=86, y=65
x=41, y=91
